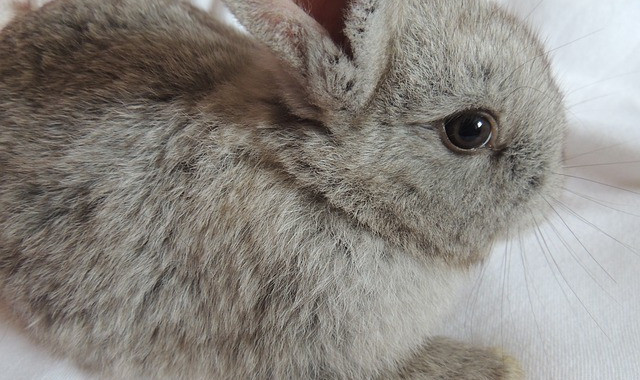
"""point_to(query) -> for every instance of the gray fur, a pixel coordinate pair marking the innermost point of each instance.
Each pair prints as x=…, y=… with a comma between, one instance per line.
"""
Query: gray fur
x=180, y=200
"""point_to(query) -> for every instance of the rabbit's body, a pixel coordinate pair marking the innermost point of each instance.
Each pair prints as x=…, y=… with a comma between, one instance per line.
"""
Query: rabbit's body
x=174, y=204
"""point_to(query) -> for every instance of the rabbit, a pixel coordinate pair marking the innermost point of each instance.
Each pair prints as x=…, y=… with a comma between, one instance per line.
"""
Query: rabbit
x=181, y=199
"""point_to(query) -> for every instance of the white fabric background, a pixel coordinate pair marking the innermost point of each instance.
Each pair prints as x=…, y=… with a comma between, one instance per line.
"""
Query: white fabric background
x=563, y=314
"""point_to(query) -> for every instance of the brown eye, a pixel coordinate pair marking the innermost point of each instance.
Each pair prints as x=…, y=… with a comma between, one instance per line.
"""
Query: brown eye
x=469, y=130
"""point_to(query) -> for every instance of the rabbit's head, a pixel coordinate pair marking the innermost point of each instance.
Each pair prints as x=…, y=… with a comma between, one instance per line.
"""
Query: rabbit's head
x=438, y=127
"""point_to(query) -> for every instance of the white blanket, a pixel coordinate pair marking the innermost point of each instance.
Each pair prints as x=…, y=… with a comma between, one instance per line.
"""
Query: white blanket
x=564, y=313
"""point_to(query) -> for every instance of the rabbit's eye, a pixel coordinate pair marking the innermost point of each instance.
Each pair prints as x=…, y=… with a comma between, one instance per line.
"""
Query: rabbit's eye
x=469, y=130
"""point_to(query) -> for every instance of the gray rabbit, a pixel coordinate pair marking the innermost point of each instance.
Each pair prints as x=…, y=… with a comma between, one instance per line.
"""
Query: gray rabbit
x=179, y=199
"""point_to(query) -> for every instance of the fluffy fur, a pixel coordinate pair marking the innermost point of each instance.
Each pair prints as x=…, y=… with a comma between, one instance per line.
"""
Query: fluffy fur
x=179, y=199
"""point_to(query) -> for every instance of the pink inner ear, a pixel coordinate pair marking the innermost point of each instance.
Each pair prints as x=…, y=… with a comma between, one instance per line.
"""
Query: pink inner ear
x=331, y=15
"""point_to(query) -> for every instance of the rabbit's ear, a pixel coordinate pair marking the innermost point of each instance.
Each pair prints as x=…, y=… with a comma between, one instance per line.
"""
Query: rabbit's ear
x=333, y=78
x=370, y=26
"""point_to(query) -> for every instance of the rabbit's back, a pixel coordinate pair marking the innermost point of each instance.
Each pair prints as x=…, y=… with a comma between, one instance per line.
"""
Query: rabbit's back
x=158, y=50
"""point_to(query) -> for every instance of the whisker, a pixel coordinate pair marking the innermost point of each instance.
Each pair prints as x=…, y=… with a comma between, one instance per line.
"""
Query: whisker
x=526, y=282
x=576, y=40
x=580, y=241
x=602, y=81
x=573, y=254
x=533, y=10
x=475, y=292
x=597, y=150
x=550, y=97
x=599, y=202
x=605, y=201
x=536, y=232
x=597, y=182
x=584, y=220
x=591, y=99
x=602, y=164
x=476, y=284
x=564, y=278
x=504, y=278
x=510, y=254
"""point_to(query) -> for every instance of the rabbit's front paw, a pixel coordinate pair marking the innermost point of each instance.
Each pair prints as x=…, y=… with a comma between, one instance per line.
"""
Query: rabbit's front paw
x=443, y=358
